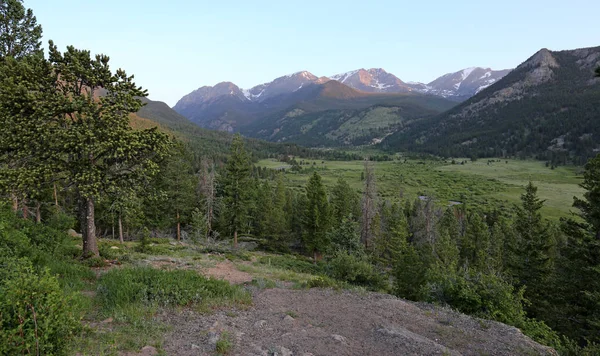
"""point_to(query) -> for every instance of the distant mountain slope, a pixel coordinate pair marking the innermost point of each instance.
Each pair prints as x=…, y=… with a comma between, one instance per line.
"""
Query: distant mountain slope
x=463, y=84
x=226, y=107
x=209, y=143
x=548, y=107
x=333, y=120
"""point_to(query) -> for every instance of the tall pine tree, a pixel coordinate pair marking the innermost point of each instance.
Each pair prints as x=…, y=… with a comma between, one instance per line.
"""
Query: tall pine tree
x=238, y=171
x=316, y=219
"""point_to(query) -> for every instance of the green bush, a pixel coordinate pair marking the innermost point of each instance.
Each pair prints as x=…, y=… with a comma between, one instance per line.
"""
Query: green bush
x=36, y=317
x=322, y=282
x=474, y=293
x=355, y=270
x=121, y=287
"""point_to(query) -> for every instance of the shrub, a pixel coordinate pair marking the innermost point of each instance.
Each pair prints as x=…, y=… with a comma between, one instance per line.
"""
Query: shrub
x=475, y=293
x=322, y=282
x=355, y=270
x=121, y=287
x=36, y=317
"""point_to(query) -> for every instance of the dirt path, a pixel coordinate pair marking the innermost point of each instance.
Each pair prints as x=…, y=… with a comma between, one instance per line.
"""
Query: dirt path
x=325, y=322
x=227, y=271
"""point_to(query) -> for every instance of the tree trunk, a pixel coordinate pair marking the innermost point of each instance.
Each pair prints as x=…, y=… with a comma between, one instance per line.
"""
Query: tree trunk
x=25, y=210
x=88, y=227
x=38, y=212
x=209, y=222
x=235, y=239
x=178, y=227
x=15, y=202
x=55, y=197
x=315, y=257
x=120, y=228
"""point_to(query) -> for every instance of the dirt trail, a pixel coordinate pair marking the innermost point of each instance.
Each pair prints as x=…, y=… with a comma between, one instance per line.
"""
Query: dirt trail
x=326, y=322
x=227, y=271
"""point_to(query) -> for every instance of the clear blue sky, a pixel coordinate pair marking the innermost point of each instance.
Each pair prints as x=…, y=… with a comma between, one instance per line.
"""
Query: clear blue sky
x=176, y=46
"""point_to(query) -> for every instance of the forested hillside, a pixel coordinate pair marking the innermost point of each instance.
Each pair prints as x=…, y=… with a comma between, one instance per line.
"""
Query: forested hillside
x=546, y=108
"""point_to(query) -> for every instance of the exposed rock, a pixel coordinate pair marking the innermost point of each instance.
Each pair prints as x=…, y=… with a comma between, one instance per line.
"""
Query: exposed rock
x=260, y=324
x=347, y=323
x=73, y=233
x=340, y=339
x=148, y=351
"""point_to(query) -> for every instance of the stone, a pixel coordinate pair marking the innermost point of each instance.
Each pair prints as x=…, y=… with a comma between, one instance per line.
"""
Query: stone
x=260, y=324
x=148, y=351
x=213, y=337
x=73, y=233
x=284, y=352
x=288, y=319
x=340, y=339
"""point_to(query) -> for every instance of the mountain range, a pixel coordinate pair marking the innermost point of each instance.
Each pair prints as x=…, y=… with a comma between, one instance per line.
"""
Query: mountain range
x=546, y=108
x=228, y=107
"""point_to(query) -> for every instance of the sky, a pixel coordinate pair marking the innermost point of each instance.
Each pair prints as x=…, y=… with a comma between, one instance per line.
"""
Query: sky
x=174, y=47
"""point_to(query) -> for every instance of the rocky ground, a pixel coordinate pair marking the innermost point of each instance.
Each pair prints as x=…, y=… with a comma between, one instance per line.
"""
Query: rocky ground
x=327, y=322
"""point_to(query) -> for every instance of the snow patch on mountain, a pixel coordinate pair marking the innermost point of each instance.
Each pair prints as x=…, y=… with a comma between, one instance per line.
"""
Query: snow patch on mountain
x=467, y=72
x=342, y=77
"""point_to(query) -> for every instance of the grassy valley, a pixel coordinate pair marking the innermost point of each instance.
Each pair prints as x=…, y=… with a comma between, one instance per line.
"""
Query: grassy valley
x=479, y=185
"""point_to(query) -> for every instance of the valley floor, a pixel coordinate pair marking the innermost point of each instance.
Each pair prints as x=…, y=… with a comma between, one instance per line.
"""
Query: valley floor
x=494, y=183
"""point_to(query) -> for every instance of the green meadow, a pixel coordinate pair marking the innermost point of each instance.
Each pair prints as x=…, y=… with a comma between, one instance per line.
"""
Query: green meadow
x=497, y=184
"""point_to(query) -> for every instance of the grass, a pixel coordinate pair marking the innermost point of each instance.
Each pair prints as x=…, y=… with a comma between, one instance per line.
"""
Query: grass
x=477, y=184
x=224, y=344
x=148, y=286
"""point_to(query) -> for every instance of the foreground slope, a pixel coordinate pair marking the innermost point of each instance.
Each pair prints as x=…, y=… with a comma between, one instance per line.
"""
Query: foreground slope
x=546, y=108
x=328, y=322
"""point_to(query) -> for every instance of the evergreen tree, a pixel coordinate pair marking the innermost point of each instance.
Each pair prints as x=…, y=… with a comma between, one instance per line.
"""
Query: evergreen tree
x=579, y=302
x=316, y=220
x=20, y=34
x=236, y=190
x=368, y=205
x=531, y=262
x=178, y=183
x=344, y=201
x=392, y=240
x=345, y=237
x=97, y=148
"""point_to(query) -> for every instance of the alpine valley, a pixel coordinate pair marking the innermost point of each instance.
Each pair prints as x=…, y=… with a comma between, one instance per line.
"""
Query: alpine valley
x=543, y=109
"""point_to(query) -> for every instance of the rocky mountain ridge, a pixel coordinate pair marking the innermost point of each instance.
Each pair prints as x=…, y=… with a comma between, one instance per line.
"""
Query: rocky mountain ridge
x=545, y=108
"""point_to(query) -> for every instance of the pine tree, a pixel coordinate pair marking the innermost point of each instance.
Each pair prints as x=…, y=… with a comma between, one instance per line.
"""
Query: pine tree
x=236, y=190
x=368, y=205
x=96, y=147
x=20, y=34
x=344, y=201
x=531, y=261
x=25, y=85
x=316, y=219
x=580, y=265
x=178, y=184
